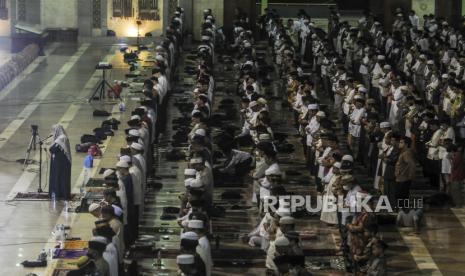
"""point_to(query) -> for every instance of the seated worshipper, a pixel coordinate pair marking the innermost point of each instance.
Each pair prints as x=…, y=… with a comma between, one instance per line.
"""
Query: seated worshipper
x=126, y=180
x=97, y=246
x=204, y=176
x=86, y=266
x=110, y=254
x=237, y=164
x=189, y=245
x=197, y=226
x=377, y=265
x=410, y=217
x=279, y=247
x=272, y=179
x=263, y=149
x=110, y=214
x=188, y=265
x=60, y=165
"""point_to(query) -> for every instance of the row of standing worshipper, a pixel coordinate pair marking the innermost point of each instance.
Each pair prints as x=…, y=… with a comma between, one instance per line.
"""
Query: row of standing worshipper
x=275, y=232
x=195, y=257
x=332, y=170
x=419, y=93
x=119, y=212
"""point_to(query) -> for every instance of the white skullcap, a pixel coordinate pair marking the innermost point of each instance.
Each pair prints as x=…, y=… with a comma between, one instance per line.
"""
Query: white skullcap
x=93, y=207
x=273, y=170
x=99, y=239
x=431, y=62
x=117, y=210
x=247, y=45
x=195, y=224
x=381, y=57
x=337, y=165
x=384, y=125
x=314, y=36
x=143, y=107
x=210, y=17
x=122, y=164
x=281, y=241
x=321, y=114
x=135, y=117
x=137, y=146
x=387, y=67
x=264, y=136
x=185, y=259
x=362, y=89
x=312, y=107
x=205, y=11
x=108, y=172
x=189, y=172
x=159, y=57
x=126, y=158
x=188, y=182
x=196, y=161
x=204, y=37
x=358, y=97
x=159, y=47
x=134, y=132
x=190, y=236
x=306, y=20
x=348, y=157
x=445, y=76
x=200, y=132
x=286, y=220
x=262, y=101
x=252, y=104
x=422, y=56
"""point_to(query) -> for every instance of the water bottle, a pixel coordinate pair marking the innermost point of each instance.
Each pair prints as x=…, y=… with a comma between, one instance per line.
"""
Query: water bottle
x=53, y=197
x=122, y=106
x=159, y=258
x=66, y=206
x=43, y=255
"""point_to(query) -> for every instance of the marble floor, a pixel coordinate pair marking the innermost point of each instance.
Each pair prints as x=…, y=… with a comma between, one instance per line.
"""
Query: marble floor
x=56, y=90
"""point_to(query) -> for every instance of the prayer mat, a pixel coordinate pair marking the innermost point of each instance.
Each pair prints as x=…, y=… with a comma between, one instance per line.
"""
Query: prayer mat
x=76, y=245
x=61, y=272
x=69, y=253
x=33, y=196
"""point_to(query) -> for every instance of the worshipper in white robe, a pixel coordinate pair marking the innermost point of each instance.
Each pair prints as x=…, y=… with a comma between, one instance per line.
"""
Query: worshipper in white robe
x=329, y=213
x=203, y=248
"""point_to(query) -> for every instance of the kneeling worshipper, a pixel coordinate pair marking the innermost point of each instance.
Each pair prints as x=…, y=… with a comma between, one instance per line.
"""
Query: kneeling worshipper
x=187, y=265
x=60, y=165
x=98, y=245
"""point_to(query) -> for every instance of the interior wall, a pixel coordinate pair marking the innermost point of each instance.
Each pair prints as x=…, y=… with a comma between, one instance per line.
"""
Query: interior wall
x=5, y=25
x=127, y=27
x=59, y=14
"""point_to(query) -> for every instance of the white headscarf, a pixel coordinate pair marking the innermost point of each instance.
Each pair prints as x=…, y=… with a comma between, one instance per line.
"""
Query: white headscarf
x=61, y=139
